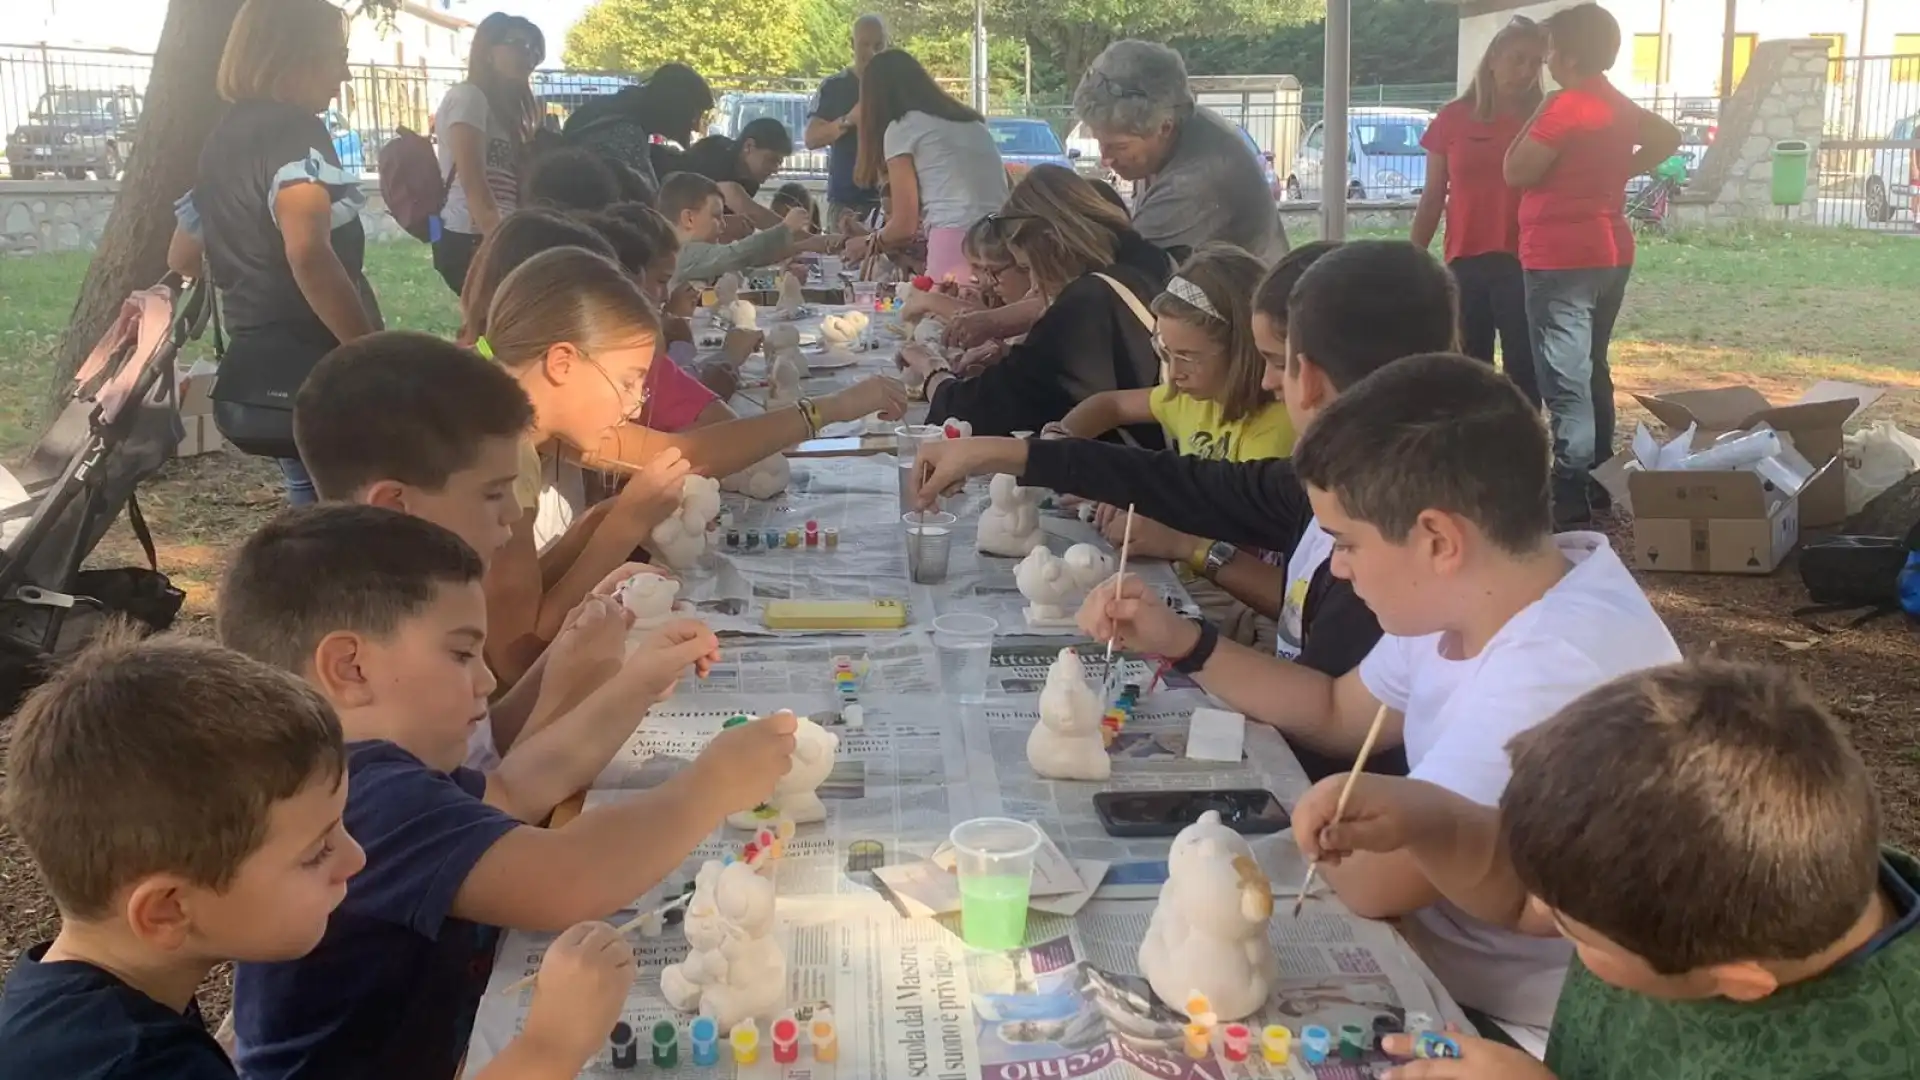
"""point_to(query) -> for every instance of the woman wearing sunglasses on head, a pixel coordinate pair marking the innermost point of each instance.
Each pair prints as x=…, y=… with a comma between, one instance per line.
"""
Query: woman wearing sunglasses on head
x=1097, y=277
x=484, y=126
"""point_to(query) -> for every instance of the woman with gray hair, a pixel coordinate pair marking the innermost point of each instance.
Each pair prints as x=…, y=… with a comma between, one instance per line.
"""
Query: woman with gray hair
x=1196, y=180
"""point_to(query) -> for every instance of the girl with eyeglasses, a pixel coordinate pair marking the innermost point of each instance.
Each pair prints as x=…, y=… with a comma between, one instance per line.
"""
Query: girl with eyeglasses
x=583, y=339
x=483, y=129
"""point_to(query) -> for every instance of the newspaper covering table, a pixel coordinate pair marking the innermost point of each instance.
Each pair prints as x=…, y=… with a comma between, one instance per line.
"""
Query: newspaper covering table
x=909, y=999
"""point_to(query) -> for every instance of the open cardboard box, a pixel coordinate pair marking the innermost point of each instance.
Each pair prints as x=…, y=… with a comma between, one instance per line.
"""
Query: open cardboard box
x=1734, y=522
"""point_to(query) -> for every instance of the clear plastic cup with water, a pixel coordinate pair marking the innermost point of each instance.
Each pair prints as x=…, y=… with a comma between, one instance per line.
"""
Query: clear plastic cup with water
x=929, y=545
x=906, y=449
x=965, y=644
x=993, y=858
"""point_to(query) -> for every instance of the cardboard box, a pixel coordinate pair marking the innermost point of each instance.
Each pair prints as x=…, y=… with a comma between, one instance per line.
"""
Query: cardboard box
x=194, y=391
x=1817, y=422
x=1712, y=522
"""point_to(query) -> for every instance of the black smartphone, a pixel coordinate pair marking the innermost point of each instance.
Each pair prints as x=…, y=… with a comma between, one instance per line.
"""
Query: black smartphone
x=1249, y=811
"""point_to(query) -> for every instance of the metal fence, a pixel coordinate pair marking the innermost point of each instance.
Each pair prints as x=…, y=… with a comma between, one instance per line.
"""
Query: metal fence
x=1870, y=144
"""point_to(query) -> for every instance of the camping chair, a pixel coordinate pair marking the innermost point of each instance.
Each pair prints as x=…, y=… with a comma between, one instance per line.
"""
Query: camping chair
x=119, y=424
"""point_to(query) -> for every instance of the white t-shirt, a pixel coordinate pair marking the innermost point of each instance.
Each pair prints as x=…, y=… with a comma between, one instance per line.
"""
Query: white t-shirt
x=1592, y=626
x=962, y=178
x=1314, y=547
x=563, y=498
x=465, y=103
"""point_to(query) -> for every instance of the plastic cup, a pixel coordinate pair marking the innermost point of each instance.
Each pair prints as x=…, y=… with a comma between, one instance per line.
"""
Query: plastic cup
x=865, y=293
x=994, y=860
x=929, y=545
x=906, y=449
x=965, y=644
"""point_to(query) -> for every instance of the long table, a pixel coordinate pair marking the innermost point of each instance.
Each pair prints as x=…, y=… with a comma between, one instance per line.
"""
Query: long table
x=909, y=999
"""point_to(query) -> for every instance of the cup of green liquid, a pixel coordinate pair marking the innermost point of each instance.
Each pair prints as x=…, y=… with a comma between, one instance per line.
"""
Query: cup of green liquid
x=994, y=859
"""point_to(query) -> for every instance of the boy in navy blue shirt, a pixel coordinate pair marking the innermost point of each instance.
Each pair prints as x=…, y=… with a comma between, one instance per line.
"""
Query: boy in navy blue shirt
x=183, y=804
x=384, y=614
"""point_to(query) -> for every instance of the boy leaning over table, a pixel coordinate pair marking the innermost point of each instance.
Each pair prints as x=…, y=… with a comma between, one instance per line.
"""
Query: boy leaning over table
x=1710, y=844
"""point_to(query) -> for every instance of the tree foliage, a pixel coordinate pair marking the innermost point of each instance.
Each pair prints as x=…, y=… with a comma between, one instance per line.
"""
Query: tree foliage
x=730, y=40
x=1394, y=41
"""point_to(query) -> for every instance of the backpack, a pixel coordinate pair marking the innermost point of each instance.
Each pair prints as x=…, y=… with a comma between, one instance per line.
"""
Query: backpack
x=411, y=185
x=1851, y=573
x=120, y=424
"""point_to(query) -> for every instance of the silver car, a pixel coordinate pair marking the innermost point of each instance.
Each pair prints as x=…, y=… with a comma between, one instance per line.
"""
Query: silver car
x=1384, y=156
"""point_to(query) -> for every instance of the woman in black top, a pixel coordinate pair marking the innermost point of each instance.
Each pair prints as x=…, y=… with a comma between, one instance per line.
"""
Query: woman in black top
x=279, y=223
x=669, y=105
x=1098, y=277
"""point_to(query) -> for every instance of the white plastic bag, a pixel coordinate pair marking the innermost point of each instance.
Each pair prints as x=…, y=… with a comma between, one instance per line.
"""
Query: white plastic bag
x=1878, y=457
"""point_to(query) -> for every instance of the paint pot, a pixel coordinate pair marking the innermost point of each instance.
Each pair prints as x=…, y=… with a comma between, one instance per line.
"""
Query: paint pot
x=1353, y=1042
x=1276, y=1044
x=1199, y=1041
x=1238, y=1041
x=705, y=1036
x=786, y=1040
x=1316, y=1043
x=666, y=1045
x=745, y=1042
x=823, y=1037
x=1432, y=1044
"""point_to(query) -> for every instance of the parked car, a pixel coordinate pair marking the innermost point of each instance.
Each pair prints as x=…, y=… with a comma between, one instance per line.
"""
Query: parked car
x=1893, y=174
x=74, y=132
x=558, y=93
x=1384, y=157
x=1265, y=157
x=1025, y=142
x=735, y=111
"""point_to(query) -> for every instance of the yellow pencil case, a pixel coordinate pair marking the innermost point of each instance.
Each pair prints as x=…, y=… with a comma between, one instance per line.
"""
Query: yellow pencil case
x=836, y=615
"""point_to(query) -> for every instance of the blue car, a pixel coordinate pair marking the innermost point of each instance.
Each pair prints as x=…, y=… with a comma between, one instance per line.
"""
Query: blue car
x=347, y=144
x=1025, y=142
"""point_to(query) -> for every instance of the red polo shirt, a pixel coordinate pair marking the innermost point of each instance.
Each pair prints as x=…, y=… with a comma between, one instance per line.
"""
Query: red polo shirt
x=1483, y=213
x=1575, y=218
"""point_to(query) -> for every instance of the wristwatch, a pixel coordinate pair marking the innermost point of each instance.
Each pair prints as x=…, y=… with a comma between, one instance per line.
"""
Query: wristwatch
x=1218, y=556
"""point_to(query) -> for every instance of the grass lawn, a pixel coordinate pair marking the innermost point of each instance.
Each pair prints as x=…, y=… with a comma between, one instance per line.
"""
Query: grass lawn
x=1772, y=309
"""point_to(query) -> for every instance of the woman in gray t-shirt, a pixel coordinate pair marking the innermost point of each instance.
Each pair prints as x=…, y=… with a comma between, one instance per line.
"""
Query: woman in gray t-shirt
x=482, y=129
x=938, y=162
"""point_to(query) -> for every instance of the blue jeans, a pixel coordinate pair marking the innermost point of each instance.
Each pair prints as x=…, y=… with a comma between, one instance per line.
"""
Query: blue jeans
x=1571, y=315
x=299, y=485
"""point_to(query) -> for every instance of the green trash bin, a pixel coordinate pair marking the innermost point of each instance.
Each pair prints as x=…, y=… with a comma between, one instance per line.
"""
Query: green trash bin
x=1790, y=160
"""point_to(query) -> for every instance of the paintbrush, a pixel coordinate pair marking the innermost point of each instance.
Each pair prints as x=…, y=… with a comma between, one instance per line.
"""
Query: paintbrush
x=1119, y=575
x=1340, y=808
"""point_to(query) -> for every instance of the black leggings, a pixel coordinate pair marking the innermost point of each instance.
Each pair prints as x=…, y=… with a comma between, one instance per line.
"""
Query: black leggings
x=1493, y=301
x=452, y=254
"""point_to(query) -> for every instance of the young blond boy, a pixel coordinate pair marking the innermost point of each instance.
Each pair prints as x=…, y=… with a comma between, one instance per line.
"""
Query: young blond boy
x=183, y=803
x=384, y=614
x=1710, y=845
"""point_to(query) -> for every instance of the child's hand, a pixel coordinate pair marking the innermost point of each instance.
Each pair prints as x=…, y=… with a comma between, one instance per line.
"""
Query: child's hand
x=588, y=649
x=744, y=762
x=857, y=248
x=1479, y=1059
x=675, y=328
x=583, y=982
x=971, y=328
x=683, y=302
x=875, y=393
x=1383, y=814
x=798, y=220
x=1135, y=617
x=655, y=666
x=610, y=584
x=652, y=494
x=1151, y=540
x=741, y=344
x=980, y=357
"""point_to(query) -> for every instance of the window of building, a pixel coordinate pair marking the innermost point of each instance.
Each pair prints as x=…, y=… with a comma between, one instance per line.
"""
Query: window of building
x=1646, y=59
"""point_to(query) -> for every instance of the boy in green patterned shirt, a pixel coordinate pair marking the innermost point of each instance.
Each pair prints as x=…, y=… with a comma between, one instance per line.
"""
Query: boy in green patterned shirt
x=1709, y=842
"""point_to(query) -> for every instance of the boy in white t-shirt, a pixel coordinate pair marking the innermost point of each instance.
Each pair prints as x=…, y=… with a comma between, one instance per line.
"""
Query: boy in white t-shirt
x=1430, y=475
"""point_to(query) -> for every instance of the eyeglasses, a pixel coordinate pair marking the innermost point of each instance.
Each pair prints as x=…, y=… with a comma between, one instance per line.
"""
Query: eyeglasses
x=1107, y=85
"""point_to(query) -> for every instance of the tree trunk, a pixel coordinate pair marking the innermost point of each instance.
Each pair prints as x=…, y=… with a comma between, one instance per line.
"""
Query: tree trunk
x=181, y=107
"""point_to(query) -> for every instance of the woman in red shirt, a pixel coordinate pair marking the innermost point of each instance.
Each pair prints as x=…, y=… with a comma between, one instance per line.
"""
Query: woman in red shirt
x=1572, y=162
x=1466, y=148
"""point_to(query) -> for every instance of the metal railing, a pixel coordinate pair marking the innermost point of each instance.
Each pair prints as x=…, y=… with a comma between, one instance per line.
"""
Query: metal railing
x=1869, y=162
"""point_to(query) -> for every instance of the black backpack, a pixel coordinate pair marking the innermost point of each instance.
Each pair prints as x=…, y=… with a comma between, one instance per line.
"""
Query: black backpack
x=1855, y=573
x=119, y=425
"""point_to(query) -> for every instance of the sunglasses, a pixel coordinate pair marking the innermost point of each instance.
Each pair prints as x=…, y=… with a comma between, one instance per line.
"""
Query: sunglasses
x=1105, y=84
